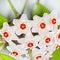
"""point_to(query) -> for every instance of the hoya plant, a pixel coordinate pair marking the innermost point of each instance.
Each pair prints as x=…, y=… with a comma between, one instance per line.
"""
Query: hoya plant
x=37, y=39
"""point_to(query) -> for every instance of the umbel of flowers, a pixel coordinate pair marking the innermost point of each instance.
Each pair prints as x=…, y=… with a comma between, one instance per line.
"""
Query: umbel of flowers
x=33, y=39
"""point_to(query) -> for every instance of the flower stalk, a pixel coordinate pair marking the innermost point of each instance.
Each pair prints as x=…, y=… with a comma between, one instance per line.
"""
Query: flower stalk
x=13, y=8
x=30, y=54
x=15, y=11
x=38, y=0
x=2, y=43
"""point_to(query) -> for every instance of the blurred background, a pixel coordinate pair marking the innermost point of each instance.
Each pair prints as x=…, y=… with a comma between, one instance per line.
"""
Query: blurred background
x=7, y=12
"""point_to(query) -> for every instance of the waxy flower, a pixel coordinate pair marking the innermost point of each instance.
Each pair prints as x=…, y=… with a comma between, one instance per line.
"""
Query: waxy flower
x=29, y=41
x=37, y=55
x=57, y=37
x=33, y=40
x=52, y=20
x=40, y=26
x=7, y=32
x=48, y=38
x=18, y=53
x=22, y=25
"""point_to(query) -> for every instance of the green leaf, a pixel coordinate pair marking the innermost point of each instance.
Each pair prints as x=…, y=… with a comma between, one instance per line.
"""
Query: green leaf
x=30, y=54
x=0, y=36
x=56, y=54
x=2, y=20
x=58, y=26
x=6, y=57
x=39, y=9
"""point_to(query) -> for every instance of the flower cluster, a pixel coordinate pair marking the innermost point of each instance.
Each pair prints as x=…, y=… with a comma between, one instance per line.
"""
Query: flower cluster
x=32, y=39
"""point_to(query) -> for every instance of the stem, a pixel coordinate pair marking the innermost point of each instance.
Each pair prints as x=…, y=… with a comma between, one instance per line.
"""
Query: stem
x=24, y=7
x=30, y=54
x=15, y=11
x=13, y=8
x=2, y=44
x=38, y=0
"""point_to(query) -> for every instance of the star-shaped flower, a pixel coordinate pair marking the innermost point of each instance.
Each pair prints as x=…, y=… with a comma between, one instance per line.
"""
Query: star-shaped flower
x=8, y=32
x=40, y=25
x=18, y=53
x=22, y=25
x=37, y=55
x=57, y=37
x=52, y=20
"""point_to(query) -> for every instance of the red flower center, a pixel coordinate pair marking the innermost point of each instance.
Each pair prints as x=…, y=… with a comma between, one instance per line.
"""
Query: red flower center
x=47, y=40
x=58, y=36
x=38, y=57
x=6, y=34
x=22, y=26
x=15, y=53
x=42, y=25
x=53, y=21
x=30, y=44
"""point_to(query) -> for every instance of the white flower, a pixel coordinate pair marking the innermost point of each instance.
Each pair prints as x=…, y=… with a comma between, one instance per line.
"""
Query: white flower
x=7, y=32
x=23, y=25
x=40, y=25
x=13, y=51
x=29, y=41
x=57, y=37
x=52, y=20
x=23, y=58
x=44, y=52
x=48, y=38
x=50, y=49
x=18, y=53
x=37, y=55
